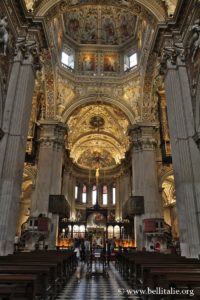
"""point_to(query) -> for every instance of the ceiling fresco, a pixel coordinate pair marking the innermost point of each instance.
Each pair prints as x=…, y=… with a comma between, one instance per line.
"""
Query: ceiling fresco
x=98, y=136
x=100, y=25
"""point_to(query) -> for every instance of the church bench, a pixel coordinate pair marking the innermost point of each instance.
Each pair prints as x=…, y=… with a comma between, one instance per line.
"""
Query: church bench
x=181, y=281
x=66, y=260
x=61, y=270
x=43, y=273
x=26, y=285
x=144, y=275
x=157, y=272
x=53, y=275
x=131, y=262
x=143, y=265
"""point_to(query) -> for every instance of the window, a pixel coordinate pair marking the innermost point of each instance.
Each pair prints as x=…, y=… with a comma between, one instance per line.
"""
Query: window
x=105, y=195
x=113, y=195
x=84, y=194
x=67, y=59
x=94, y=194
x=133, y=60
x=130, y=61
x=76, y=192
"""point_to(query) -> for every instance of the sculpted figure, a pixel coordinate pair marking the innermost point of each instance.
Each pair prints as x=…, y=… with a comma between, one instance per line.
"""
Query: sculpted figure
x=195, y=41
x=4, y=34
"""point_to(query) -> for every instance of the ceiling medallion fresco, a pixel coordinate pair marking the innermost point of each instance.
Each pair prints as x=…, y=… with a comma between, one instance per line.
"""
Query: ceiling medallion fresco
x=100, y=25
x=98, y=136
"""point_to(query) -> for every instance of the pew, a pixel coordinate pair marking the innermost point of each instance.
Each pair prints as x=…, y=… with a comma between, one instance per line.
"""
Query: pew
x=38, y=274
x=147, y=269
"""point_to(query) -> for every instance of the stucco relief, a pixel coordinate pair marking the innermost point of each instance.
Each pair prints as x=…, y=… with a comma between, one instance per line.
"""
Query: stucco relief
x=64, y=94
x=97, y=135
x=132, y=95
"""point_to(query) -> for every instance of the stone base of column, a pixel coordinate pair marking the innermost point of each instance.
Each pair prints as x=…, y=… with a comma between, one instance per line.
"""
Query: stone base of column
x=139, y=240
x=190, y=251
x=53, y=235
x=6, y=247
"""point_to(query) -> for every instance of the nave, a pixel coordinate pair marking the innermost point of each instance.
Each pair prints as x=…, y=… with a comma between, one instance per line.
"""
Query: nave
x=83, y=287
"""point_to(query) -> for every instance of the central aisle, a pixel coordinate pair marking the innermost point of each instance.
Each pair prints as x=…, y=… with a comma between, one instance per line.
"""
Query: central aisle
x=81, y=287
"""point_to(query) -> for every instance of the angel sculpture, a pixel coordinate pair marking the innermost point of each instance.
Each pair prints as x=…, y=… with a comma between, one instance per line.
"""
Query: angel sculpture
x=4, y=34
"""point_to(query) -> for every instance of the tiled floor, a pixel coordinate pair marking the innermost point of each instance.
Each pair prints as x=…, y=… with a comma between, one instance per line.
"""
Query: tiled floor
x=83, y=287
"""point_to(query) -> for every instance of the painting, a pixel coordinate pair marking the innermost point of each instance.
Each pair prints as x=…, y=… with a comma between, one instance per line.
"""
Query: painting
x=105, y=25
x=89, y=34
x=110, y=63
x=87, y=62
x=127, y=26
x=108, y=31
x=73, y=25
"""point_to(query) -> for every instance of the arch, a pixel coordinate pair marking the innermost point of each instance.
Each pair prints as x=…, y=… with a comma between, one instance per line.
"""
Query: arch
x=152, y=6
x=93, y=99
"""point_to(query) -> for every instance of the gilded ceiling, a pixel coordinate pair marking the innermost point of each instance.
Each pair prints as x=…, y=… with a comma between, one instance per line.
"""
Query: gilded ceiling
x=98, y=136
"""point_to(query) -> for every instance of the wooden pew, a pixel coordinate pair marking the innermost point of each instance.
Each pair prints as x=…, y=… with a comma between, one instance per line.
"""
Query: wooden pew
x=26, y=285
x=50, y=268
x=160, y=270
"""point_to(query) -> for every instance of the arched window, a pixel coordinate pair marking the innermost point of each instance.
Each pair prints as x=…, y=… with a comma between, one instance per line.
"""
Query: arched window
x=76, y=192
x=114, y=195
x=84, y=194
x=94, y=194
x=105, y=195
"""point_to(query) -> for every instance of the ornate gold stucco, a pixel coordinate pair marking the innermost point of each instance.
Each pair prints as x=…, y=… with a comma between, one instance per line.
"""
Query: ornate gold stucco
x=104, y=145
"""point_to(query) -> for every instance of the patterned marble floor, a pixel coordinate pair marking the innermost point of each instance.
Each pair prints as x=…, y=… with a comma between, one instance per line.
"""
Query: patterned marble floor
x=81, y=287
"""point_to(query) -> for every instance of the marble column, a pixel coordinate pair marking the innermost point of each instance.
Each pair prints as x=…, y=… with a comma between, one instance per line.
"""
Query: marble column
x=13, y=144
x=49, y=176
x=144, y=176
x=185, y=153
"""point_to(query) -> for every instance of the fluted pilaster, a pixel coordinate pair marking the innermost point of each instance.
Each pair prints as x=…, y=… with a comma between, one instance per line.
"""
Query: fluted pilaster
x=185, y=153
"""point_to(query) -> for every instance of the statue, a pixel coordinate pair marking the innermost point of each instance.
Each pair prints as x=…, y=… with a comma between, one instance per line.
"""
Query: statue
x=4, y=34
x=195, y=41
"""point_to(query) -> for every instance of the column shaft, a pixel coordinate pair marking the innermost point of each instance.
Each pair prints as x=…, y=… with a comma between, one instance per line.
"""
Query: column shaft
x=15, y=126
x=186, y=156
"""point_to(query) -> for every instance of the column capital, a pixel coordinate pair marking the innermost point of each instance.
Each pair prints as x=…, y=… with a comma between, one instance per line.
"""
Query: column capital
x=143, y=136
x=52, y=134
x=27, y=52
x=172, y=57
